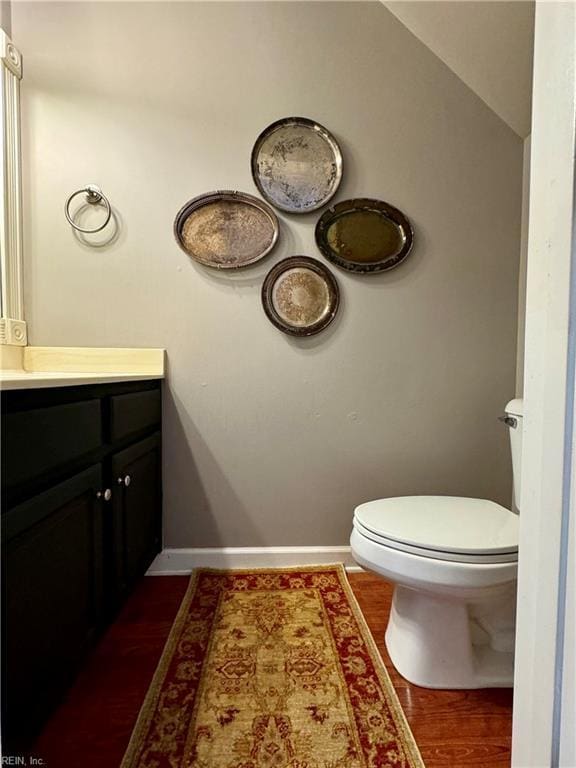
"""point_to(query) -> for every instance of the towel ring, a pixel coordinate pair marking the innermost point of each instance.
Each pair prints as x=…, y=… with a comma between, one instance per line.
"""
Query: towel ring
x=94, y=196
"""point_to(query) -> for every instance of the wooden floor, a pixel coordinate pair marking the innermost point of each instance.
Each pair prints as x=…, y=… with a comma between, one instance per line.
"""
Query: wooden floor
x=453, y=729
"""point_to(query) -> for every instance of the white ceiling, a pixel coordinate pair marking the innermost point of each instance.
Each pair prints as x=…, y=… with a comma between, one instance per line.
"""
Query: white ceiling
x=488, y=44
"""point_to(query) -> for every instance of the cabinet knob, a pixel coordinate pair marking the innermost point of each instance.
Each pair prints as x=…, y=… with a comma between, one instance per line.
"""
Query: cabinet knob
x=106, y=495
x=124, y=480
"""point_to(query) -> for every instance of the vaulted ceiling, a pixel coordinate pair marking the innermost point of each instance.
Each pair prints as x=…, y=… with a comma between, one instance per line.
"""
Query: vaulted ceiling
x=488, y=44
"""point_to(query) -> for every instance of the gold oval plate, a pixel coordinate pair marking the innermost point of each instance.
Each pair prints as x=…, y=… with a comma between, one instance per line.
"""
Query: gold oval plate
x=226, y=229
x=300, y=296
x=364, y=235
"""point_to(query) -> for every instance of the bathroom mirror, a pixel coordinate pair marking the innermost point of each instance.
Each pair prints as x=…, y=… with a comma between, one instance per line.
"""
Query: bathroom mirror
x=364, y=235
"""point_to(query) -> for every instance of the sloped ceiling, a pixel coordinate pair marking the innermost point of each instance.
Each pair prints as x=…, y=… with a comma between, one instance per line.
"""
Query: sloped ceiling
x=488, y=45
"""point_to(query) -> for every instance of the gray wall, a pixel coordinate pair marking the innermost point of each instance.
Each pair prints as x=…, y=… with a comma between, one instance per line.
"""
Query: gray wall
x=6, y=16
x=271, y=440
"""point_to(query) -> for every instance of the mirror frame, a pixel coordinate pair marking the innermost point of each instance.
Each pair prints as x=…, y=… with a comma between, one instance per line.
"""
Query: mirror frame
x=12, y=323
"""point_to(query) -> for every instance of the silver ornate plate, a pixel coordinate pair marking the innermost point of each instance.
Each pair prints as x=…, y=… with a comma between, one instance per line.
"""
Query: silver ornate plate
x=364, y=236
x=296, y=164
x=300, y=296
x=226, y=230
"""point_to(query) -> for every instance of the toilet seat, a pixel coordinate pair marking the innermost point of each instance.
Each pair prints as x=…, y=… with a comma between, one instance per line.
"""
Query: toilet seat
x=455, y=529
x=436, y=554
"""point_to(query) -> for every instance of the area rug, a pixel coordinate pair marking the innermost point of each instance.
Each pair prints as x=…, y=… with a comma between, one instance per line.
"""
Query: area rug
x=271, y=669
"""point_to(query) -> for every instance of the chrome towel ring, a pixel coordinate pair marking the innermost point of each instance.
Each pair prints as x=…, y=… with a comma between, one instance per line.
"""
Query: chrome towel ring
x=94, y=196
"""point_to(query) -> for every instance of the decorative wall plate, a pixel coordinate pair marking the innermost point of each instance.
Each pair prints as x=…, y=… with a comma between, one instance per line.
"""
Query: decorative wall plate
x=296, y=164
x=364, y=235
x=226, y=230
x=300, y=296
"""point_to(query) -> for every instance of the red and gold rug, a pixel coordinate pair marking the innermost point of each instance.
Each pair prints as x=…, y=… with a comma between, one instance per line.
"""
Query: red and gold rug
x=271, y=669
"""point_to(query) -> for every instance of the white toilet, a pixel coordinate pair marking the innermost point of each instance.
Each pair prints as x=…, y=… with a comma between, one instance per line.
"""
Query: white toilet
x=454, y=564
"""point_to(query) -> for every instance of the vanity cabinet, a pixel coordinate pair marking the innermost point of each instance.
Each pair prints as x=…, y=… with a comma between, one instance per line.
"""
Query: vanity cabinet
x=136, y=535
x=81, y=523
x=53, y=594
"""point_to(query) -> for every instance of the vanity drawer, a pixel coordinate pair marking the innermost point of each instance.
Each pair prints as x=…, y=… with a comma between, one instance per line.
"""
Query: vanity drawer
x=134, y=412
x=41, y=440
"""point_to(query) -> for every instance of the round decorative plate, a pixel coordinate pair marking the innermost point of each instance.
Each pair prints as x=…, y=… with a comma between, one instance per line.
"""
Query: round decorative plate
x=300, y=296
x=364, y=235
x=296, y=164
x=226, y=230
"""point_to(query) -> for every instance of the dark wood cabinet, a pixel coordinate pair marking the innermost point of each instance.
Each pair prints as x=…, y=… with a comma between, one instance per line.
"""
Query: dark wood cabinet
x=42, y=440
x=136, y=530
x=81, y=523
x=52, y=570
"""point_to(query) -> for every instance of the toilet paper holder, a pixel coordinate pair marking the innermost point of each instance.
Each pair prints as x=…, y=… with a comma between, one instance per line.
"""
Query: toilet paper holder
x=510, y=421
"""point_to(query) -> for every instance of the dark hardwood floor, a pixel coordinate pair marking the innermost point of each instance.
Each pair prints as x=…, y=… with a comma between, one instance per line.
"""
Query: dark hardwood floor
x=454, y=729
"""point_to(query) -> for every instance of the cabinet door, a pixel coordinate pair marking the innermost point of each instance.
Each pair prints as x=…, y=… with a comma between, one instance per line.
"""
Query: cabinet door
x=52, y=598
x=137, y=510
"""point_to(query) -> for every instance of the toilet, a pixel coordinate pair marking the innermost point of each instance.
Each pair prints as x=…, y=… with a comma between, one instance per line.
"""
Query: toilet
x=453, y=562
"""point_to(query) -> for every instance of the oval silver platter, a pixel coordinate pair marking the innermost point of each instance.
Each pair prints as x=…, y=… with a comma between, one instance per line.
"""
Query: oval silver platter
x=226, y=229
x=296, y=164
x=300, y=296
x=364, y=235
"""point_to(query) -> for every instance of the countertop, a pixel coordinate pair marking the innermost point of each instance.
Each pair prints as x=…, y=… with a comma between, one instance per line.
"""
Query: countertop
x=40, y=367
x=25, y=380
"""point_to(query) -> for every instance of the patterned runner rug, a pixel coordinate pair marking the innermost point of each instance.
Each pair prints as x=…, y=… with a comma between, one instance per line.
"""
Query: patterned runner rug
x=271, y=669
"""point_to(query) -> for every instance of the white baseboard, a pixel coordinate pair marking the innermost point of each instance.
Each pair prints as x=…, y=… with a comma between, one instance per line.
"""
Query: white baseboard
x=175, y=562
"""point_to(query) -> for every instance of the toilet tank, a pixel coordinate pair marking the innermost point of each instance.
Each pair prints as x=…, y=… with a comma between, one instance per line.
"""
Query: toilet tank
x=514, y=417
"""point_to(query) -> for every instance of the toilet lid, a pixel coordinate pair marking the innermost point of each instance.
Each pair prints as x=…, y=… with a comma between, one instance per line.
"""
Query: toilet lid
x=442, y=523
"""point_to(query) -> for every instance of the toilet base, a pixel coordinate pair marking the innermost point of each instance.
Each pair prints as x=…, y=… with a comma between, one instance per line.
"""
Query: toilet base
x=438, y=642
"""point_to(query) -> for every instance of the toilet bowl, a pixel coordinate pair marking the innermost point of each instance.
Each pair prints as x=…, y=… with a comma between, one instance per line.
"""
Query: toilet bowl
x=453, y=561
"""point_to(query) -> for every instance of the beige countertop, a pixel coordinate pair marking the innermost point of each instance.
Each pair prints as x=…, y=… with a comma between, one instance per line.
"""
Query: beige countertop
x=39, y=367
